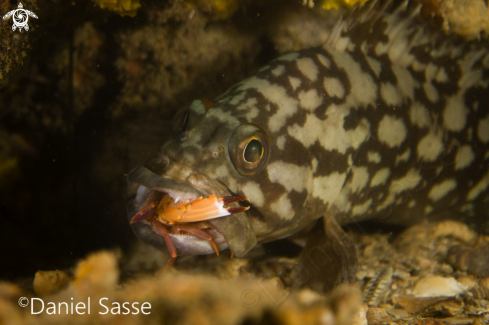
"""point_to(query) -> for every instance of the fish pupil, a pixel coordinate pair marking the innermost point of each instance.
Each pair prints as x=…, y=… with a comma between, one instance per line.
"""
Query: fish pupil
x=253, y=151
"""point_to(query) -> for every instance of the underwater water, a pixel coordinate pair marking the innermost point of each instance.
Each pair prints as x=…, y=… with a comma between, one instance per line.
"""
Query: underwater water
x=384, y=131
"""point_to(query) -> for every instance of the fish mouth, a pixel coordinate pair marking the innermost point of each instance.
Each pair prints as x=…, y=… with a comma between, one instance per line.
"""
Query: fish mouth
x=232, y=231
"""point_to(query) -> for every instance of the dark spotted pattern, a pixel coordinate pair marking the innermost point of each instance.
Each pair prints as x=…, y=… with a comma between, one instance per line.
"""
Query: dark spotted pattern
x=389, y=120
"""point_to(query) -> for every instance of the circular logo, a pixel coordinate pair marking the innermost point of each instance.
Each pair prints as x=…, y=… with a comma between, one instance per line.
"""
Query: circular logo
x=23, y=301
x=20, y=18
x=249, y=298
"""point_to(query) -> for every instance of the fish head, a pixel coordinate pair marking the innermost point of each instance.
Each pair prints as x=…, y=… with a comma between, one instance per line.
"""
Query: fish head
x=227, y=150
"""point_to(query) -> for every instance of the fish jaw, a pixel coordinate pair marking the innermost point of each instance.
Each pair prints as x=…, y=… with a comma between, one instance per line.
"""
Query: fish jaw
x=227, y=232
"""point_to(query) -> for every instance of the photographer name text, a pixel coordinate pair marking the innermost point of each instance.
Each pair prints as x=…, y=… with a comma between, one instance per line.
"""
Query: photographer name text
x=105, y=307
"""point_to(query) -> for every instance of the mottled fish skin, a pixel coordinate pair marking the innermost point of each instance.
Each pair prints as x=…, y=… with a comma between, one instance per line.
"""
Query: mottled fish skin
x=387, y=120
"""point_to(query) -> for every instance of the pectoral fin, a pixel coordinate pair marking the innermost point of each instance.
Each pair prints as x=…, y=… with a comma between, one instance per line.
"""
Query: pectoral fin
x=329, y=258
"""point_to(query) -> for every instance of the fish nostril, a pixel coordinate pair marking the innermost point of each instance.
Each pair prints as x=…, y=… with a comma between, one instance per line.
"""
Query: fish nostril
x=158, y=164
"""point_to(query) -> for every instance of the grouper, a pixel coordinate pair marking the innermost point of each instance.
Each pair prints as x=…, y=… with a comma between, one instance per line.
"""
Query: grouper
x=387, y=121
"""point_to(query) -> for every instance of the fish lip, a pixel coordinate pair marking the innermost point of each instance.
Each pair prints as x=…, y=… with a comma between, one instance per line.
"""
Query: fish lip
x=145, y=177
x=141, y=180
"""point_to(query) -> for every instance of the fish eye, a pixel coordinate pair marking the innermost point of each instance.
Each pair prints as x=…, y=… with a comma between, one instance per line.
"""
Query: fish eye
x=188, y=116
x=248, y=149
x=253, y=151
x=185, y=123
x=180, y=123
